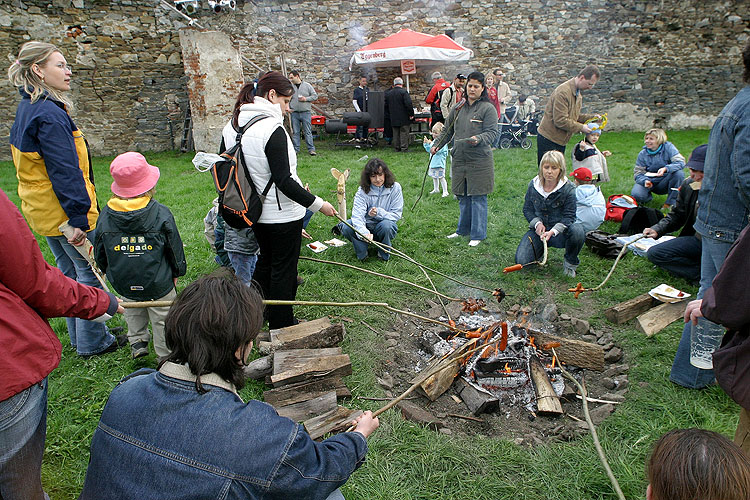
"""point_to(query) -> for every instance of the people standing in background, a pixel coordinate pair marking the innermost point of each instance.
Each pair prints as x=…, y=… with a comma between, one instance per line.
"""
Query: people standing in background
x=301, y=106
x=723, y=208
x=562, y=115
x=434, y=97
x=401, y=110
x=55, y=179
x=492, y=93
x=503, y=93
x=360, y=102
x=453, y=94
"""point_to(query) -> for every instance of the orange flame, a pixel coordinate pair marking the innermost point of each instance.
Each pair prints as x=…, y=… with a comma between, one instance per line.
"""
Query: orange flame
x=507, y=368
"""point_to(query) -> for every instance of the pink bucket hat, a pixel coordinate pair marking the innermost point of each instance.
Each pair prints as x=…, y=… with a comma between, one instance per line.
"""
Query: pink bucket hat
x=132, y=174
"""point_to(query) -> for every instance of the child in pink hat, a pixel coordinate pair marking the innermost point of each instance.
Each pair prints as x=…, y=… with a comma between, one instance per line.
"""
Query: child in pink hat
x=137, y=244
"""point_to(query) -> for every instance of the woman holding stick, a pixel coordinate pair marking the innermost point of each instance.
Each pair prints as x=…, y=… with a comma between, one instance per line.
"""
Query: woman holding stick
x=269, y=156
x=55, y=180
x=473, y=126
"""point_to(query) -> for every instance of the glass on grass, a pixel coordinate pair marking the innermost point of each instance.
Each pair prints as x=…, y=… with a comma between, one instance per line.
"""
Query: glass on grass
x=705, y=337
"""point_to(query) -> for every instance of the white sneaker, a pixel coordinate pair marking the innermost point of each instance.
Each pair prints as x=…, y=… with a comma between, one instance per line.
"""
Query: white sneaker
x=434, y=191
x=445, y=194
x=474, y=243
x=454, y=235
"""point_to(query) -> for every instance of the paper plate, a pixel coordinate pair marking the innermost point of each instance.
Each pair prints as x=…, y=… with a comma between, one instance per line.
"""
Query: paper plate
x=666, y=293
x=316, y=246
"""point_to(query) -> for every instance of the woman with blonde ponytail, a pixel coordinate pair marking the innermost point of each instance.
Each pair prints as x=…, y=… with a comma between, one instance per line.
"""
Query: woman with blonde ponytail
x=55, y=180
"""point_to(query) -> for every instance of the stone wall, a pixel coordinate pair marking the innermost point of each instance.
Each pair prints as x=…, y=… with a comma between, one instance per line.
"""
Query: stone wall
x=669, y=62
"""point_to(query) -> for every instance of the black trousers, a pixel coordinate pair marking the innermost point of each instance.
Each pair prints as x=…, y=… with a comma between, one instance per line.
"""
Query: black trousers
x=543, y=145
x=276, y=270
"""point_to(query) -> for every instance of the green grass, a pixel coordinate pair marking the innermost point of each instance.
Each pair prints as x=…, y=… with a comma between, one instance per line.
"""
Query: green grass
x=405, y=461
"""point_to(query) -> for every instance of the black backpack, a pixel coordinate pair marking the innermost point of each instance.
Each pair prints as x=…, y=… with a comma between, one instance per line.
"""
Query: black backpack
x=603, y=244
x=637, y=219
x=239, y=203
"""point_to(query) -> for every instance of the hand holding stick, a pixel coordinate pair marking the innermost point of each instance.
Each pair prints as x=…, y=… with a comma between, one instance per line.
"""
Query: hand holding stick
x=85, y=248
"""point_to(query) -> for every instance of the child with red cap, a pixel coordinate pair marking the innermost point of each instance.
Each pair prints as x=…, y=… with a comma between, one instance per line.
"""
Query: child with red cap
x=137, y=244
x=590, y=205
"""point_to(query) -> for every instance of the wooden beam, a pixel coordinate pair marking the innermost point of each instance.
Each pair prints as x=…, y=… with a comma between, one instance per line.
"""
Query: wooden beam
x=546, y=398
x=259, y=368
x=337, y=420
x=659, y=317
x=625, y=311
x=416, y=413
x=309, y=335
x=476, y=400
x=295, y=358
x=339, y=365
x=292, y=393
x=573, y=352
x=303, y=410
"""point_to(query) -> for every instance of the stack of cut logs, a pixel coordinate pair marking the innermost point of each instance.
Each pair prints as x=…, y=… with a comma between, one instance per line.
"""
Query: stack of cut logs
x=305, y=366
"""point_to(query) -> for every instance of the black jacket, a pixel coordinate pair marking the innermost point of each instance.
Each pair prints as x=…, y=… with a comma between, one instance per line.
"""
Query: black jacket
x=399, y=107
x=683, y=213
x=141, y=251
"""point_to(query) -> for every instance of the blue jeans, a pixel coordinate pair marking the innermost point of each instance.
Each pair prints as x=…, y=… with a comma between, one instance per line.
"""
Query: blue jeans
x=23, y=429
x=472, y=216
x=661, y=185
x=243, y=265
x=86, y=337
x=531, y=248
x=680, y=256
x=383, y=231
x=303, y=117
x=713, y=253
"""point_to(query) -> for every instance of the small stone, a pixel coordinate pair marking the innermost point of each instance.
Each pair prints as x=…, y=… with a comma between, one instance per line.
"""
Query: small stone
x=391, y=343
x=614, y=355
x=549, y=313
x=599, y=414
x=565, y=317
x=581, y=325
x=605, y=339
x=386, y=381
x=643, y=384
x=598, y=333
x=609, y=383
x=526, y=309
x=445, y=430
x=392, y=335
x=589, y=338
x=515, y=307
x=608, y=346
x=622, y=383
x=518, y=441
x=611, y=396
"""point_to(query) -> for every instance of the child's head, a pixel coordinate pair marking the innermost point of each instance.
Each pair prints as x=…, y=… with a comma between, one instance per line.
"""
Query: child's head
x=133, y=176
x=376, y=173
x=555, y=162
x=695, y=463
x=582, y=175
x=437, y=129
x=596, y=132
x=211, y=326
x=655, y=137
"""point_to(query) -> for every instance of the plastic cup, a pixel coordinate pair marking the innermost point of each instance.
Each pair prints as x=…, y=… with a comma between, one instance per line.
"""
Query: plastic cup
x=705, y=337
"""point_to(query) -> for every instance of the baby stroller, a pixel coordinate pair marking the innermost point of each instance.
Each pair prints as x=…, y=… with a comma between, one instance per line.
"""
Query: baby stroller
x=515, y=134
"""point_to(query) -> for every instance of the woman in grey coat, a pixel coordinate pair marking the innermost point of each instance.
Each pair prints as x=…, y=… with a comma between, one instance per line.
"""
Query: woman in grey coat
x=473, y=125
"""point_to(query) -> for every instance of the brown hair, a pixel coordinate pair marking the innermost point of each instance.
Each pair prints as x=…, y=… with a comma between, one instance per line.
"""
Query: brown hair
x=687, y=464
x=590, y=71
x=373, y=167
x=270, y=80
x=210, y=320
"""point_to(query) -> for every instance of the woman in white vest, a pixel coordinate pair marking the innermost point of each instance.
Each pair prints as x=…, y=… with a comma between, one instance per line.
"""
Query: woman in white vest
x=269, y=155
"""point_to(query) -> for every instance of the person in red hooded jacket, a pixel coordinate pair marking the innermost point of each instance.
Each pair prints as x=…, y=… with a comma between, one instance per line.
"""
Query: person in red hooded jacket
x=31, y=291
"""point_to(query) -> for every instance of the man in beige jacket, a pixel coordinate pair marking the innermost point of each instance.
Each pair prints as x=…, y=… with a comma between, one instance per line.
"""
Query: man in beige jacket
x=562, y=116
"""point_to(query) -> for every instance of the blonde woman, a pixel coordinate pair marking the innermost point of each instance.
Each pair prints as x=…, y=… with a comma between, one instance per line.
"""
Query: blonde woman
x=55, y=182
x=658, y=169
x=550, y=208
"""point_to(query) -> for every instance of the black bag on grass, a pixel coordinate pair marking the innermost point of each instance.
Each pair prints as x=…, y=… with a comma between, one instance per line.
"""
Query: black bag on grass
x=603, y=244
x=637, y=219
x=239, y=203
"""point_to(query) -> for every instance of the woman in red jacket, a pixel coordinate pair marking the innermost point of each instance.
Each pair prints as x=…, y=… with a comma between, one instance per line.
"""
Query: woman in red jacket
x=30, y=291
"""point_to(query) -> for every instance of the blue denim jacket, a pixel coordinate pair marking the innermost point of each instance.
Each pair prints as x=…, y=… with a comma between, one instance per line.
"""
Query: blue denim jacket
x=159, y=438
x=557, y=211
x=724, y=197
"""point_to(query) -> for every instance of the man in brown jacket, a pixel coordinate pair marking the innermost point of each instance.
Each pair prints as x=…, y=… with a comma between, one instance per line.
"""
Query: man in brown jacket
x=562, y=116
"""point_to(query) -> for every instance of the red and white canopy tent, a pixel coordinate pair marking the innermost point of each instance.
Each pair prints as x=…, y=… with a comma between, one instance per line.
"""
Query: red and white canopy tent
x=407, y=45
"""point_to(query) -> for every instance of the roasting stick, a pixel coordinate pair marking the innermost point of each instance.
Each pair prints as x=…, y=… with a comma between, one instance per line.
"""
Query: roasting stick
x=518, y=267
x=87, y=252
x=592, y=428
x=453, y=299
x=399, y=253
x=579, y=288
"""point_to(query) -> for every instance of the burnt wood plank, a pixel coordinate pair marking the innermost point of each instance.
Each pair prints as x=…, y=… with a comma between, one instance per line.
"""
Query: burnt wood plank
x=476, y=400
x=573, y=352
x=546, y=397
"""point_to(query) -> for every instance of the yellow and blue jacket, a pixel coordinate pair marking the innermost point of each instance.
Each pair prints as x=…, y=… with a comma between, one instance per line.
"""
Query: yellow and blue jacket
x=55, y=179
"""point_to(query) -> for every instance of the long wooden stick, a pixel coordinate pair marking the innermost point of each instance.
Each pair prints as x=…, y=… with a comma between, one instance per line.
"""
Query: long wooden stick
x=592, y=428
x=579, y=289
x=312, y=259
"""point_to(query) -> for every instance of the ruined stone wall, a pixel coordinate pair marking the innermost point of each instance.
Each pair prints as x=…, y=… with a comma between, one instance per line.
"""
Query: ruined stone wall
x=670, y=62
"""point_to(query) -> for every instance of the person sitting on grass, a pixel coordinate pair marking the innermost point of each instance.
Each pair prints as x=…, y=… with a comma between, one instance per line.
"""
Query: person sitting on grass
x=590, y=205
x=437, y=162
x=377, y=208
x=586, y=154
x=184, y=432
x=138, y=246
x=550, y=208
x=691, y=464
x=658, y=169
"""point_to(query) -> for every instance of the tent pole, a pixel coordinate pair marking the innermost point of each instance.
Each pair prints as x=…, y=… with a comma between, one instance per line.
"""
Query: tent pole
x=407, y=83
